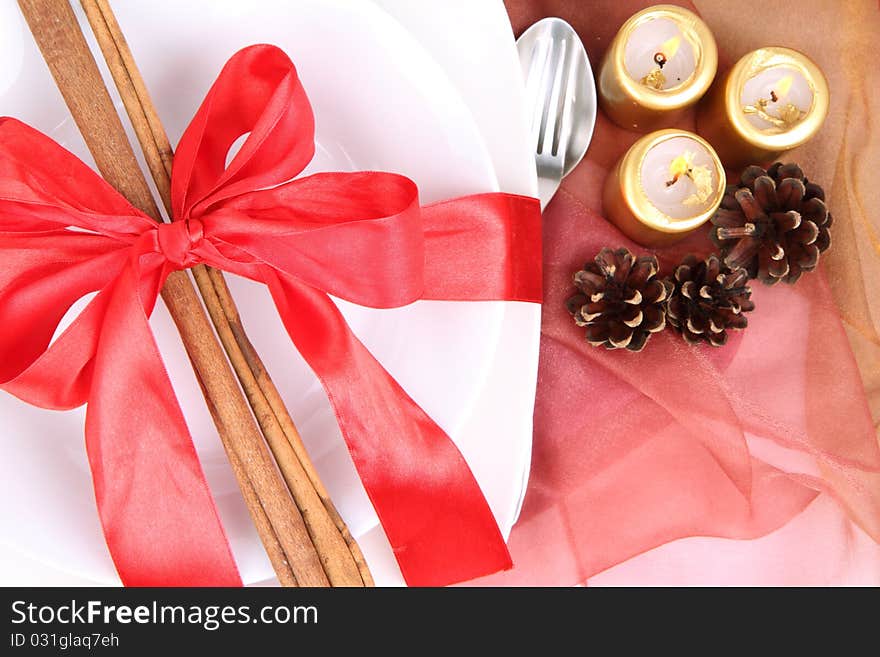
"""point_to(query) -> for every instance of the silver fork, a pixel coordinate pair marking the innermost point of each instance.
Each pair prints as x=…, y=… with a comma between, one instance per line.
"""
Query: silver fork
x=561, y=96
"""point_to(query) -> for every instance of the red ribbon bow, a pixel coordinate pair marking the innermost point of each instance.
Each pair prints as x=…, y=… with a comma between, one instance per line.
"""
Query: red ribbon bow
x=358, y=236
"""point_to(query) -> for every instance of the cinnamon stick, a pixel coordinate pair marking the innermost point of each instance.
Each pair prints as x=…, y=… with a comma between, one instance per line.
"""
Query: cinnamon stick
x=275, y=515
x=343, y=561
x=294, y=441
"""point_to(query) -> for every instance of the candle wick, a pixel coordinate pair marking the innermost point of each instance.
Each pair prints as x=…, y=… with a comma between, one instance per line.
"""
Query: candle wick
x=670, y=183
x=655, y=79
x=773, y=96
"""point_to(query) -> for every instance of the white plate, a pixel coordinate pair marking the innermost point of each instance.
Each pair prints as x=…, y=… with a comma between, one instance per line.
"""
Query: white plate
x=473, y=43
x=353, y=58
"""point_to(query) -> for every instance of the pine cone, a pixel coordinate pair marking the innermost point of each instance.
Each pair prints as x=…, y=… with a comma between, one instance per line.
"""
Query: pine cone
x=621, y=302
x=708, y=299
x=774, y=224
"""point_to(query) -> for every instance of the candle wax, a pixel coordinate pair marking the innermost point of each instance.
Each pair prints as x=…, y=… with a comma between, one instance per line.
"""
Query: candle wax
x=773, y=81
x=678, y=200
x=653, y=37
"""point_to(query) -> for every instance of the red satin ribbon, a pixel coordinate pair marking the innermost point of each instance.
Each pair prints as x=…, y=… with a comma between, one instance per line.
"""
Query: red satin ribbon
x=358, y=236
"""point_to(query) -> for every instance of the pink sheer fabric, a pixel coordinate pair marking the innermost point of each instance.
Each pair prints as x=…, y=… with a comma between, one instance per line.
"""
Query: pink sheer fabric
x=635, y=451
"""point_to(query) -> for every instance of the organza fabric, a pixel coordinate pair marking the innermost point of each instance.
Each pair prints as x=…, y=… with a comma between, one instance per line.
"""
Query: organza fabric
x=686, y=447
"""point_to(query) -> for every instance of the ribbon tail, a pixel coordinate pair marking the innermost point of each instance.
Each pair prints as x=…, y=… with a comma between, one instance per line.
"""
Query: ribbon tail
x=159, y=519
x=484, y=247
x=439, y=523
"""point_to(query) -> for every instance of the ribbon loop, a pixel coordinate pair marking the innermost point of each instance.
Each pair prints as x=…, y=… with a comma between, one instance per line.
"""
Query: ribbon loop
x=357, y=236
x=258, y=94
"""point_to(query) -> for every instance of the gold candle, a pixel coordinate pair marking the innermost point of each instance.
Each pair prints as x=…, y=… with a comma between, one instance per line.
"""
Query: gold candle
x=662, y=61
x=771, y=101
x=668, y=184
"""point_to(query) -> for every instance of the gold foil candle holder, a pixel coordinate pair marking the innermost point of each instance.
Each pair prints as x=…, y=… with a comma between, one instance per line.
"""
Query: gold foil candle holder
x=661, y=62
x=772, y=100
x=667, y=185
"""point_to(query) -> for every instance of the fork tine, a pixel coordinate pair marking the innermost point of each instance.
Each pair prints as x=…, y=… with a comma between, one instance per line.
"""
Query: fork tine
x=539, y=101
x=537, y=64
x=566, y=103
x=537, y=57
x=554, y=98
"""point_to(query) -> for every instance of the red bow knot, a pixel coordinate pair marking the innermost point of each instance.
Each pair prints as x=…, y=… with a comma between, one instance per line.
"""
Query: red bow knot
x=359, y=236
x=177, y=240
